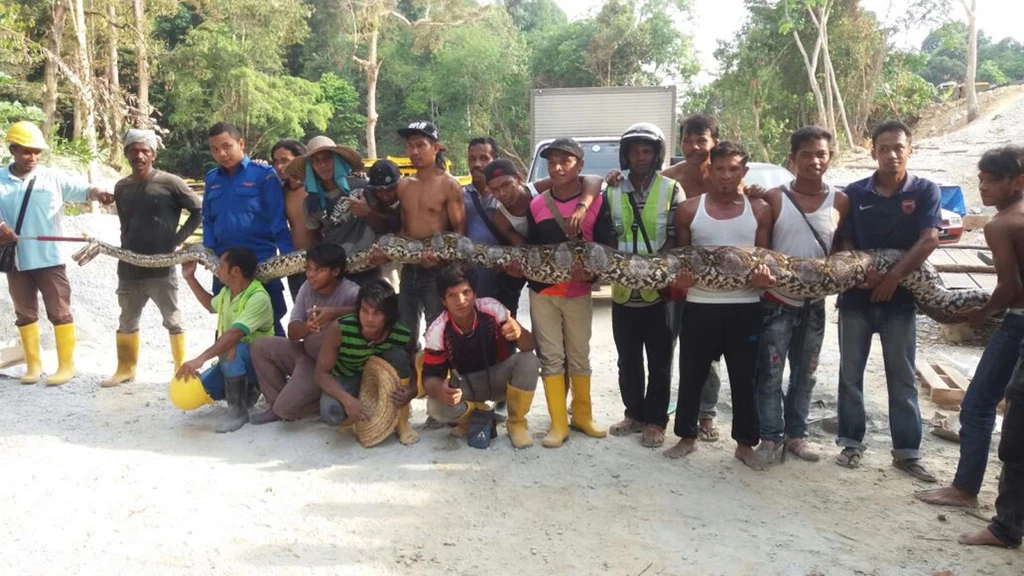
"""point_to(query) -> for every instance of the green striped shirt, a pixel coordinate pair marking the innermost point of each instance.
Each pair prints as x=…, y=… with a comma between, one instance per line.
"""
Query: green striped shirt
x=355, y=349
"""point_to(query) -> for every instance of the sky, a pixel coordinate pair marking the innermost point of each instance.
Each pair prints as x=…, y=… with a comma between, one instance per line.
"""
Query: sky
x=721, y=19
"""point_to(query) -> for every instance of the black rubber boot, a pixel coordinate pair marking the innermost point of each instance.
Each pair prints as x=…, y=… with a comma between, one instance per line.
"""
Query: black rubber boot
x=236, y=393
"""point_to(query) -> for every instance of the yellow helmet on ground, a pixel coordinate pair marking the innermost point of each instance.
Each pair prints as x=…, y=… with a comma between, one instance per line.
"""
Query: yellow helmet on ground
x=26, y=134
x=188, y=393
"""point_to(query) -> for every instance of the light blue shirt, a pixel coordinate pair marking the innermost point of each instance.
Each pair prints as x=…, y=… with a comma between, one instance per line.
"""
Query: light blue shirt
x=44, y=214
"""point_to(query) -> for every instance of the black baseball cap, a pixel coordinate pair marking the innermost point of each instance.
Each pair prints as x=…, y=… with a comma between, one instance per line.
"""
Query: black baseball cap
x=500, y=167
x=383, y=174
x=567, y=145
x=420, y=128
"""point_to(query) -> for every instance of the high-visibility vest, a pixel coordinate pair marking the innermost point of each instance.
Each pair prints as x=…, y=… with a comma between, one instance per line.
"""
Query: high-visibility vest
x=225, y=300
x=655, y=215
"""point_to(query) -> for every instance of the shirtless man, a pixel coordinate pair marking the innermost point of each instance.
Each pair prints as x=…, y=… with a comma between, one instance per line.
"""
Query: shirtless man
x=719, y=324
x=283, y=152
x=432, y=203
x=1001, y=182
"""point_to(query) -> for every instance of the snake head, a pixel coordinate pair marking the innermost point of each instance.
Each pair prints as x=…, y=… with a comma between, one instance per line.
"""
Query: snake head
x=87, y=253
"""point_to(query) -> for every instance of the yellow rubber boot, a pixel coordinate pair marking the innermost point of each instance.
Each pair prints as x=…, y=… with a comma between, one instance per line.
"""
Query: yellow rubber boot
x=65, y=337
x=554, y=392
x=178, y=350
x=519, y=402
x=33, y=358
x=127, y=360
x=461, y=429
x=582, y=410
x=406, y=435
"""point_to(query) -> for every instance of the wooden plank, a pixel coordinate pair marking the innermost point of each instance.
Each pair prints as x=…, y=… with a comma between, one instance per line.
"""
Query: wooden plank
x=955, y=281
x=966, y=257
x=941, y=258
x=987, y=282
x=965, y=269
x=929, y=378
x=956, y=385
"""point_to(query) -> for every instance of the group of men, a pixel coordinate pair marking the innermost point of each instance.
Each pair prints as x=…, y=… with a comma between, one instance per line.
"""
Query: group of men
x=477, y=355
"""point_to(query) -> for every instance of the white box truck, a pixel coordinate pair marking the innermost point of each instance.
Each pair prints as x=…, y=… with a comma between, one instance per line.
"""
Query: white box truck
x=597, y=117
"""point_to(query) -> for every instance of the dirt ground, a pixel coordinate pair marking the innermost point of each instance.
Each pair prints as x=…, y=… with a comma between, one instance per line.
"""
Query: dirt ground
x=118, y=481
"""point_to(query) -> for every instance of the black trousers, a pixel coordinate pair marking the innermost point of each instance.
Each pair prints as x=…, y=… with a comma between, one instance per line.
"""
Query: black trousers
x=295, y=282
x=509, y=289
x=708, y=332
x=1008, y=524
x=636, y=330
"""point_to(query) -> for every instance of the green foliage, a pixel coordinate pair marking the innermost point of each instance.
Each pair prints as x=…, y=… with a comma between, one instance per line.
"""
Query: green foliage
x=346, y=124
x=988, y=71
x=902, y=93
x=946, y=49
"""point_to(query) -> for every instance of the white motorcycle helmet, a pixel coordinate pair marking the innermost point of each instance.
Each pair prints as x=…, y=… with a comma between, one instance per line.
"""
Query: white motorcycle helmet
x=642, y=131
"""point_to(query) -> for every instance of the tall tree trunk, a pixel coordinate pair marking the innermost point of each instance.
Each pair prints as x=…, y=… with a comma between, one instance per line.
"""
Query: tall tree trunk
x=972, y=60
x=114, y=113
x=53, y=42
x=811, y=65
x=372, y=68
x=142, y=115
x=88, y=101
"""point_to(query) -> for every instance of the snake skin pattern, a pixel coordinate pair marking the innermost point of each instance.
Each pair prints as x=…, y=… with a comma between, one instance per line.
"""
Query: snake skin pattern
x=714, y=268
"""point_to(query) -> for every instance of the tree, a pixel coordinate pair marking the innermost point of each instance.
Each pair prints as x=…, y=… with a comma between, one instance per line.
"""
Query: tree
x=972, y=59
x=367, y=19
x=54, y=36
x=85, y=96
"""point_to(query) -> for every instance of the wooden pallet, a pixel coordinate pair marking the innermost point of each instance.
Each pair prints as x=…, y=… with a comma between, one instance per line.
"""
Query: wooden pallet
x=947, y=385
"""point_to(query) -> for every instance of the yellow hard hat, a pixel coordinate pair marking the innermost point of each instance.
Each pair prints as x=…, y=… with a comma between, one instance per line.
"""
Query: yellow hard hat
x=26, y=134
x=188, y=393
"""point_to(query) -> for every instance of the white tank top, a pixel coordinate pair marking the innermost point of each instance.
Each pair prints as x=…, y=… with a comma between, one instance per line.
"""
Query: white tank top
x=792, y=237
x=740, y=231
x=518, y=223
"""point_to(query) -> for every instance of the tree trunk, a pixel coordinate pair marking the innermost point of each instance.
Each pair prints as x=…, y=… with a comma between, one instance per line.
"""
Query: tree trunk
x=53, y=42
x=114, y=114
x=142, y=115
x=88, y=101
x=972, y=60
x=830, y=73
x=372, y=68
x=811, y=65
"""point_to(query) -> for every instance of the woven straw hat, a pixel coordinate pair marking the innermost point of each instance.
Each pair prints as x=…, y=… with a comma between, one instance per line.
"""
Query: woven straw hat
x=379, y=381
x=296, y=169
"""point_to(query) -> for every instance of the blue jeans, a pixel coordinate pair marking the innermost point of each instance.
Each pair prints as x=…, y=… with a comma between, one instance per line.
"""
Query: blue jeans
x=896, y=325
x=795, y=333
x=978, y=409
x=275, y=289
x=241, y=365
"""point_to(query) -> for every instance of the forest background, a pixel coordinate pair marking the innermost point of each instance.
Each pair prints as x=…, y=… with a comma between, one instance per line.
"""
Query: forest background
x=359, y=69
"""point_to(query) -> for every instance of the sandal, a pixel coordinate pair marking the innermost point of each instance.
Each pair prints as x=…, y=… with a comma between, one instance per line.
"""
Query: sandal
x=626, y=427
x=849, y=457
x=915, y=468
x=653, y=436
x=708, y=432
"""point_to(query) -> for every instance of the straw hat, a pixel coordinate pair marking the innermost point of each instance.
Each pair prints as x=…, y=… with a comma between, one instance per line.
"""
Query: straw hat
x=296, y=169
x=379, y=381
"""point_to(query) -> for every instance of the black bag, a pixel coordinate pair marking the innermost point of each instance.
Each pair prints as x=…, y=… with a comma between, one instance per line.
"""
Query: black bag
x=9, y=251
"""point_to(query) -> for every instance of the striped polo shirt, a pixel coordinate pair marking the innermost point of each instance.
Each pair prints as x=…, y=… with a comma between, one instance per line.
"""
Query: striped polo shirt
x=356, y=350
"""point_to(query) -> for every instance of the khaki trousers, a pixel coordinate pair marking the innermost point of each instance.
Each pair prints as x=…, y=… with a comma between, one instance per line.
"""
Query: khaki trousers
x=562, y=329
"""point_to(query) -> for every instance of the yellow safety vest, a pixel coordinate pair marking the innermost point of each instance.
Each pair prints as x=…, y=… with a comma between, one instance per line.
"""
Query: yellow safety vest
x=655, y=215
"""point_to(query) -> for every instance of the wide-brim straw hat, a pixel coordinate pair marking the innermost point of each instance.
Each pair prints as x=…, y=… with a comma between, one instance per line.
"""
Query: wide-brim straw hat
x=296, y=169
x=379, y=380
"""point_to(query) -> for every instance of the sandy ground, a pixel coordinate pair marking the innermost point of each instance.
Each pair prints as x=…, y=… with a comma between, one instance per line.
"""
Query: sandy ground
x=117, y=481
x=120, y=482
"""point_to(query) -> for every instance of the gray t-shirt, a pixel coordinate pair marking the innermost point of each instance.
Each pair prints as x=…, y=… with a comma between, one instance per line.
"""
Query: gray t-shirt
x=345, y=294
x=336, y=224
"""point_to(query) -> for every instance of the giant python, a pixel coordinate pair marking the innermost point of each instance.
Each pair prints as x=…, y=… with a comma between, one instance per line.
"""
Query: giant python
x=717, y=268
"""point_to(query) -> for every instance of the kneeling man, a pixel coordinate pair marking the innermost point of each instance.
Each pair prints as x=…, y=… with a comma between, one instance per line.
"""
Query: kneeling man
x=472, y=341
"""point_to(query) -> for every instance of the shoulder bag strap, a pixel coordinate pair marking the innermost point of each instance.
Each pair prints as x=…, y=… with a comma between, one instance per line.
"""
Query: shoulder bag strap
x=478, y=203
x=24, y=205
x=638, y=223
x=553, y=208
x=821, y=243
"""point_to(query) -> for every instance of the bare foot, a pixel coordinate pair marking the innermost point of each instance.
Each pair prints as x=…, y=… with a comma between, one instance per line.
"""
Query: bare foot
x=750, y=457
x=948, y=496
x=682, y=448
x=264, y=417
x=983, y=537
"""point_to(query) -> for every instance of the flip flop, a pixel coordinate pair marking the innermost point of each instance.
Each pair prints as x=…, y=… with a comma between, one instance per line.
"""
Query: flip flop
x=914, y=467
x=708, y=434
x=849, y=458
